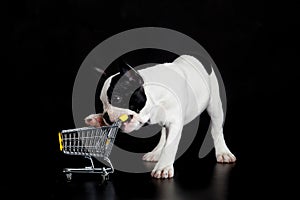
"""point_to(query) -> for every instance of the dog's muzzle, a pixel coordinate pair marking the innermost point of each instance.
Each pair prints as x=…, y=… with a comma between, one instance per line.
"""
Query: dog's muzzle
x=109, y=122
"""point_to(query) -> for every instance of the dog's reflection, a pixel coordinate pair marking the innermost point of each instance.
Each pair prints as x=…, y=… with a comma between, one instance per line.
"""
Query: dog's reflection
x=220, y=181
x=217, y=189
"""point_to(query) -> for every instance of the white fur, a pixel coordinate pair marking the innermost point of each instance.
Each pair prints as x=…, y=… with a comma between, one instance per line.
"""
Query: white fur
x=176, y=94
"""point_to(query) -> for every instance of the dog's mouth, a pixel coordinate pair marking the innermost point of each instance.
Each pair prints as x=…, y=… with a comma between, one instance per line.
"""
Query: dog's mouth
x=132, y=124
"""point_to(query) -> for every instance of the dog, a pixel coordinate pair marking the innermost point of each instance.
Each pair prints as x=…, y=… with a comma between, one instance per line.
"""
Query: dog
x=170, y=94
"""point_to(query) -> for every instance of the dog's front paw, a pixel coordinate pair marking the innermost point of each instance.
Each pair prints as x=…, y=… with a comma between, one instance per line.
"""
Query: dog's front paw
x=164, y=172
x=226, y=157
x=152, y=156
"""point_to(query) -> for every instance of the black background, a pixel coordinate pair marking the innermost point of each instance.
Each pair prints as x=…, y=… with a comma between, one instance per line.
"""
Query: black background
x=253, y=43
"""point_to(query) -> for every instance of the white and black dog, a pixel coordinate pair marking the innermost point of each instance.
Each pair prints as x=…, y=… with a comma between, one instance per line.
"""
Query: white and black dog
x=168, y=94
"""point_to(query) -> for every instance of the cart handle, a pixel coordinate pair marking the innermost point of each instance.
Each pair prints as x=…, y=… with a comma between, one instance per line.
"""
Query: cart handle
x=123, y=117
x=61, y=146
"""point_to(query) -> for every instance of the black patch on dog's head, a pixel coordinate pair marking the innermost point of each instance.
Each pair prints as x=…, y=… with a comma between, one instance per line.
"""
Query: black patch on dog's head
x=126, y=89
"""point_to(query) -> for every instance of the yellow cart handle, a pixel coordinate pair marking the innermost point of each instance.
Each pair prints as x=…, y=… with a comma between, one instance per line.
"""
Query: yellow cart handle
x=61, y=146
x=123, y=117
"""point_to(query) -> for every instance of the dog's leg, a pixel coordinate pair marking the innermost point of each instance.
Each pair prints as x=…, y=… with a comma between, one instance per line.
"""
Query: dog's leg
x=215, y=111
x=164, y=167
x=154, y=155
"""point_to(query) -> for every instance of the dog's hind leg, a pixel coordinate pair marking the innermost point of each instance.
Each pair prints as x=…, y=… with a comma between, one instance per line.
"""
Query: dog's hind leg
x=215, y=111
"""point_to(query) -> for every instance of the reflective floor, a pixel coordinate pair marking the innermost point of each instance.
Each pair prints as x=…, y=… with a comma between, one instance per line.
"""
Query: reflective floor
x=197, y=179
x=213, y=183
x=251, y=177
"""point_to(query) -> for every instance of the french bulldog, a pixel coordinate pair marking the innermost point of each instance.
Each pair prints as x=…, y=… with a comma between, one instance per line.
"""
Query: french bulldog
x=170, y=94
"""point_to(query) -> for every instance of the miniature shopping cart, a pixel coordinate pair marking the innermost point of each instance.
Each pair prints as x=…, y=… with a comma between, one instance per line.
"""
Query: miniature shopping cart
x=90, y=142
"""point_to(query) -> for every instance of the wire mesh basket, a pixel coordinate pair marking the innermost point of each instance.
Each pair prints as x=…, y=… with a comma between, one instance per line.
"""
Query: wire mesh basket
x=90, y=142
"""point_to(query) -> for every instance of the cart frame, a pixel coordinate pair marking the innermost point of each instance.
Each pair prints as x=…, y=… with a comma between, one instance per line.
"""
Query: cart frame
x=90, y=142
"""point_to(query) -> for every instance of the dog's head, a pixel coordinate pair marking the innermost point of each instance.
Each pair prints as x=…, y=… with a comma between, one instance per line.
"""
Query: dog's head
x=123, y=93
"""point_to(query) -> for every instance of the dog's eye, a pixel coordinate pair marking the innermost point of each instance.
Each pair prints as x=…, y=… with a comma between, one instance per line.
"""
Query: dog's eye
x=116, y=99
x=131, y=107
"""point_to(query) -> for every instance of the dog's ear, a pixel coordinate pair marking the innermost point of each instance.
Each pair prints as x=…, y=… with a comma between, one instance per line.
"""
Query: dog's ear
x=129, y=72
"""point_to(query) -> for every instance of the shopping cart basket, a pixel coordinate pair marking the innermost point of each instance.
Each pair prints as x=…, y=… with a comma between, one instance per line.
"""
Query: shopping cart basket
x=90, y=142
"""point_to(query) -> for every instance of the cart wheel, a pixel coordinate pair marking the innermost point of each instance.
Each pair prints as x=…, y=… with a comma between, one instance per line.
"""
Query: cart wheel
x=104, y=178
x=102, y=181
x=69, y=176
